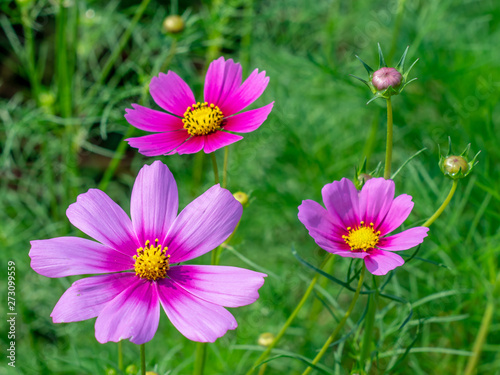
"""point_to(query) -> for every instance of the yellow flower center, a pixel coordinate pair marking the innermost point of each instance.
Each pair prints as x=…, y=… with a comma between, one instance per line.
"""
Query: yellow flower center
x=151, y=263
x=201, y=119
x=362, y=238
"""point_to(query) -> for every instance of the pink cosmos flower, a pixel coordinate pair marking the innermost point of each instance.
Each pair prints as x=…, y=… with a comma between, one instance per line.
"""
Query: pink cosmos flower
x=356, y=223
x=127, y=304
x=190, y=126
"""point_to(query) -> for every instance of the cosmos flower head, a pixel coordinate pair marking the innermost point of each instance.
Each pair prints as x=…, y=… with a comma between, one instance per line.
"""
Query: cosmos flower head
x=356, y=223
x=138, y=262
x=189, y=126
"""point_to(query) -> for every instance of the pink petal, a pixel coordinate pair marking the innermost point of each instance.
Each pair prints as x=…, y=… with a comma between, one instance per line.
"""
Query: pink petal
x=96, y=215
x=342, y=202
x=218, y=140
x=195, y=318
x=322, y=227
x=223, y=77
x=380, y=262
x=192, y=145
x=86, y=298
x=404, y=240
x=171, y=93
x=246, y=94
x=152, y=121
x=220, y=285
x=154, y=202
x=399, y=211
x=375, y=200
x=134, y=314
x=248, y=121
x=203, y=225
x=67, y=256
x=160, y=143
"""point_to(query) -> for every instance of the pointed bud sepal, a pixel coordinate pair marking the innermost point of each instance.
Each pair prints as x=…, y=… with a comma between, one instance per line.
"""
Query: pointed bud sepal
x=361, y=175
x=457, y=166
x=386, y=82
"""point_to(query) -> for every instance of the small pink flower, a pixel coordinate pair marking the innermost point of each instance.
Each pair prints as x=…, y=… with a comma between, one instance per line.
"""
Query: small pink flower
x=127, y=304
x=355, y=223
x=190, y=126
x=385, y=77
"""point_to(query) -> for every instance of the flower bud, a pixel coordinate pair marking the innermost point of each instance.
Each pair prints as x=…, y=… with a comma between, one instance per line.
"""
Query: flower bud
x=457, y=166
x=111, y=371
x=151, y=373
x=242, y=198
x=131, y=369
x=454, y=164
x=385, y=77
x=265, y=339
x=173, y=24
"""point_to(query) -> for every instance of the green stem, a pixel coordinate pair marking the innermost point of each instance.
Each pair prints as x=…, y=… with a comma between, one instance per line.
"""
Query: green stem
x=30, y=53
x=171, y=54
x=369, y=324
x=388, y=148
x=480, y=339
x=397, y=28
x=224, y=169
x=120, y=356
x=216, y=170
x=332, y=337
x=199, y=362
x=290, y=319
x=440, y=210
x=143, y=359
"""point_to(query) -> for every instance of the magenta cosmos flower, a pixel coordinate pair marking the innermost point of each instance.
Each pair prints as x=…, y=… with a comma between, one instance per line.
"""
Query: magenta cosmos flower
x=355, y=223
x=127, y=304
x=190, y=125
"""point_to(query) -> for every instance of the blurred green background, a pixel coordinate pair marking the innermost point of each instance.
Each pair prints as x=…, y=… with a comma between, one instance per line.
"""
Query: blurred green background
x=69, y=69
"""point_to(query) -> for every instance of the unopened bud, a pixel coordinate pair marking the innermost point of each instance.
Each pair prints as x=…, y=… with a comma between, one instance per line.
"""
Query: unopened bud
x=241, y=197
x=131, y=370
x=111, y=371
x=173, y=24
x=151, y=373
x=385, y=77
x=363, y=177
x=265, y=339
x=454, y=164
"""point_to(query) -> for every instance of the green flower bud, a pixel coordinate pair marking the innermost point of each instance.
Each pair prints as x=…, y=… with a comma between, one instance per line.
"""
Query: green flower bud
x=111, y=371
x=265, y=339
x=361, y=175
x=173, y=24
x=151, y=373
x=456, y=166
x=242, y=198
x=131, y=370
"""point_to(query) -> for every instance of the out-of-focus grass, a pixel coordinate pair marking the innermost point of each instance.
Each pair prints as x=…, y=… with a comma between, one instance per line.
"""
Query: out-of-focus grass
x=317, y=133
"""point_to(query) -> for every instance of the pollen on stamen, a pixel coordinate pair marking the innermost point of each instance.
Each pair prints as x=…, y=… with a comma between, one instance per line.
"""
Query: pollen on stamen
x=202, y=119
x=151, y=262
x=362, y=238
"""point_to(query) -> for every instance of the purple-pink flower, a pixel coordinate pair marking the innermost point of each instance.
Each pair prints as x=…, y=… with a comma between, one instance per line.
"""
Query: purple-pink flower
x=190, y=126
x=356, y=223
x=151, y=244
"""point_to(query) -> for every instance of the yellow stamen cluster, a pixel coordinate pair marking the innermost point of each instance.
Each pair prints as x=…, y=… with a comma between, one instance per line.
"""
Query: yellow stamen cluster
x=201, y=119
x=151, y=263
x=362, y=238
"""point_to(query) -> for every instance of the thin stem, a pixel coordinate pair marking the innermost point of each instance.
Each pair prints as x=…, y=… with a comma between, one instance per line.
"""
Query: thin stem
x=480, y=339
x=171, y=54
x=369, y=324
x=332, y=337
x=143, y=359
x=120, y=356
x=224, y=169
x=30, y=53
x=216, y=170
x=440, y=210
x=388, y=147
x=290, y=319
x=199, y=362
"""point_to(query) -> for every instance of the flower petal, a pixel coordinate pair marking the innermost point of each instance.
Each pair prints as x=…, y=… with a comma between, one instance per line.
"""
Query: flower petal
x=404, y=240
x=171, y=93
x=248, y=121
x=322, y=227
x=220, y=285
x=223, y=77
x=218, y=140
x=151, y=120
x=134, y=314
x=96, y=215
x=246, y=94
x=160, y=143
x=375, y=200
x=398, y=213
x=380, y=262
x=192, y=145
x=154, y=203
x=342, y=202
x=203, y=225
x=86, y=298
x=195, y=318
x=68, y=256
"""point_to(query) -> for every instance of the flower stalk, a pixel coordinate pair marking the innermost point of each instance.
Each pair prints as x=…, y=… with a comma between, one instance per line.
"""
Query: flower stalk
x=216, y=170
x=388, y=148
x=440, y=210
x=143, y=359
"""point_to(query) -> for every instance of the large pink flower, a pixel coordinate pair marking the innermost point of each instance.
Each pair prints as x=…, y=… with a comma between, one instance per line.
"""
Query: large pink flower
x=355, y=223
x=190, y=125
x=127, y=304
